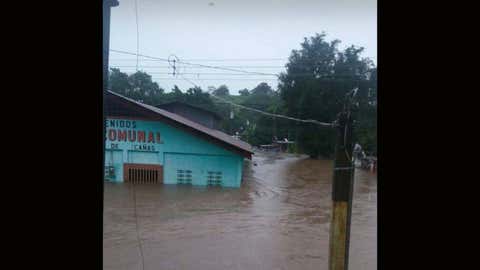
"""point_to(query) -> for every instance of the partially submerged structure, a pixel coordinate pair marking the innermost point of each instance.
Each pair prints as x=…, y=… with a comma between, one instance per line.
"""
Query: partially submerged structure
x=147, y=144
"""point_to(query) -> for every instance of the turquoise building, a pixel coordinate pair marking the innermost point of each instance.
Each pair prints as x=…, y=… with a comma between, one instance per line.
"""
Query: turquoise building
x=145, y=144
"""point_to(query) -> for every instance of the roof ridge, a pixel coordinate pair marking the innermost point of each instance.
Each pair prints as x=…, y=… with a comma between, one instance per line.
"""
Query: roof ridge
x=217, y=134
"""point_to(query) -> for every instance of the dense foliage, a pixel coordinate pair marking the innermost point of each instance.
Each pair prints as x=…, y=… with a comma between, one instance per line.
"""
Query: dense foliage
x=314, y=85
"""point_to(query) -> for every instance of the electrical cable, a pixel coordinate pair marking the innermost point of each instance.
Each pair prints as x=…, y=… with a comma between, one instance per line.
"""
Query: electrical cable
x=192, y=64
x=266, y=113
x=219, y=60
x=232, y=103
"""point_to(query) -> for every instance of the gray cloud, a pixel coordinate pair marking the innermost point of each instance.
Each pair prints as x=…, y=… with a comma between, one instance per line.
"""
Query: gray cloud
x=192, y=29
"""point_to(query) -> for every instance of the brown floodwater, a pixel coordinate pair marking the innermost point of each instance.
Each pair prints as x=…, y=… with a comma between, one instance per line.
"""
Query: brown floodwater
x=278, y=219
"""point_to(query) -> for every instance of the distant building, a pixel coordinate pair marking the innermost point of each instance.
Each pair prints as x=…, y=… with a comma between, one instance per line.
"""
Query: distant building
x=198, y=115
x=146, y=144
x=277, y=145
x=283, y=144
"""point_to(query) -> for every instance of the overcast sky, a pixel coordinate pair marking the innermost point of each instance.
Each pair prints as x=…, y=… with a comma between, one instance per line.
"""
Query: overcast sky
x=253, y=35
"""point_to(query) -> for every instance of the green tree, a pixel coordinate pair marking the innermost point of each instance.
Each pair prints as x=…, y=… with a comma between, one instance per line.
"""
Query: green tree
x=365, y=130
x=143, y=88
x=261, y=129
x=196, y=97
x=222, y=91
x=262, y=89
x=119, y=81
x=138, y=86
x=317, y=78
x=244, y=92
x=176, y=90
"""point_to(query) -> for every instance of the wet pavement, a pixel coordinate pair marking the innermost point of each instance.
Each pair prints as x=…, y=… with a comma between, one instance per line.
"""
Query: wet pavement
x=278, y=219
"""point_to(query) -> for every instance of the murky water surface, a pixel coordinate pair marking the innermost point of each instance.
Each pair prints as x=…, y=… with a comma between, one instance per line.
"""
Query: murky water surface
x=278, y=219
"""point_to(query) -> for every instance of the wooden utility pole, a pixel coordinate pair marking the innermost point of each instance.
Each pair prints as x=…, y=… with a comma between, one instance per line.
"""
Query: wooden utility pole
x=107, y=5
x=342, y=192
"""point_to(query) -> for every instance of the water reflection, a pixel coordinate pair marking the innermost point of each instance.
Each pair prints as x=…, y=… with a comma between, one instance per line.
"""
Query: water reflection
x=278, y=219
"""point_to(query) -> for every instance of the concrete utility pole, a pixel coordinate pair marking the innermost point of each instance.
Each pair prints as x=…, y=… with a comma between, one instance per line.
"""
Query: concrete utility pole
x=107, y=5
x=342, y=192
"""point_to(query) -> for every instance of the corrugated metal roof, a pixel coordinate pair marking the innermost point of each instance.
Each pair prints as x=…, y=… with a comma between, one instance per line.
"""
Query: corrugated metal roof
x=175, y=117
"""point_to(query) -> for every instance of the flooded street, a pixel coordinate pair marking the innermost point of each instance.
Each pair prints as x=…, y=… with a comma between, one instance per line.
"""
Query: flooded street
x=278, y=219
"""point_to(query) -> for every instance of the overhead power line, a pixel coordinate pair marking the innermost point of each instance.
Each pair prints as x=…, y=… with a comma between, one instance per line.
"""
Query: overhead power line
x=230, y=69
x=188, y=80
x=238, y=74
x=220, y=79
x=238, y=59
x=141, y=55
x=328, y=78
x=210, y=73
x=198, y=65
x=125, y=66
x=311, y=121
x=214, y=60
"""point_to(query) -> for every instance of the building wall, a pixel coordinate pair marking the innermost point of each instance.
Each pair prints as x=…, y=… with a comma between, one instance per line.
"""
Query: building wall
x=173, y=148
x=196, y=115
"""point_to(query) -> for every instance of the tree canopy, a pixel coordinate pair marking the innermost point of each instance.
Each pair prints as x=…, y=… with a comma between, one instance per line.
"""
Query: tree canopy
x=317, y=78
x=222, y=90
